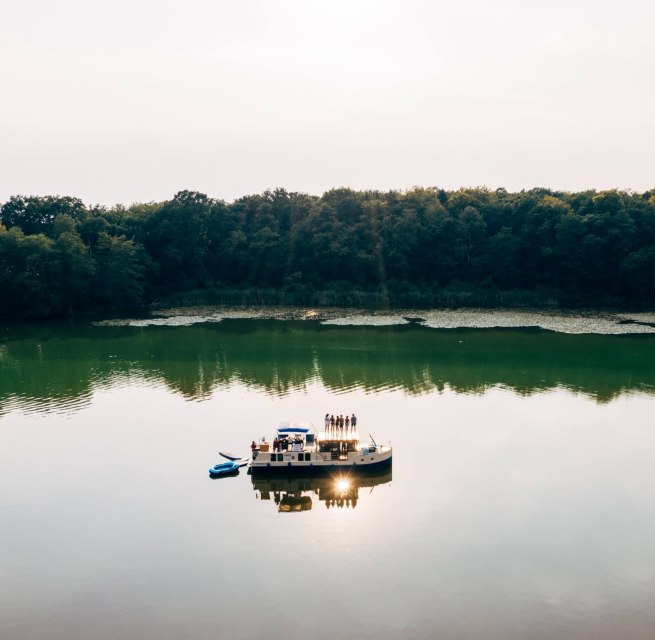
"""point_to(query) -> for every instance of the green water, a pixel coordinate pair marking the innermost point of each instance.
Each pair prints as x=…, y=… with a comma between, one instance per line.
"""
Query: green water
x=519, y=504
x=53, y=365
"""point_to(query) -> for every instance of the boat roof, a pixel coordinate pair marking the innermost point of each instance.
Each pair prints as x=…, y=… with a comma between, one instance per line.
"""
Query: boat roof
x=296, y=427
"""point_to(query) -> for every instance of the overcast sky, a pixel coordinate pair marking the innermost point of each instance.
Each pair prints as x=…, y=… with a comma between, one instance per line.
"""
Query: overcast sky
x=128, y=101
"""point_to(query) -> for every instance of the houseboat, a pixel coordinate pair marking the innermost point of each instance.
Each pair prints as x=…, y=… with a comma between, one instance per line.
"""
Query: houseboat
x=298, y=448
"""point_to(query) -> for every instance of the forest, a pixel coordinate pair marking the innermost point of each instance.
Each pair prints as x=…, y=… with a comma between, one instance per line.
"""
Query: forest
x=416, y=248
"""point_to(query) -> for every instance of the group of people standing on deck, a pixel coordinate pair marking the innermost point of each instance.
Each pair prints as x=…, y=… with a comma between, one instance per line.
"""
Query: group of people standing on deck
x=332, y=423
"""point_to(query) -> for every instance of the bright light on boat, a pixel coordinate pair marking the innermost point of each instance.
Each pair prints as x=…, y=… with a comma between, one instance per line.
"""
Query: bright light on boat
x=343, y=485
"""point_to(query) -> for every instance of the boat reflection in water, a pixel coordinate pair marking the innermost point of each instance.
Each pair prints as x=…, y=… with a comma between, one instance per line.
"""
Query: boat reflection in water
x=300, y=493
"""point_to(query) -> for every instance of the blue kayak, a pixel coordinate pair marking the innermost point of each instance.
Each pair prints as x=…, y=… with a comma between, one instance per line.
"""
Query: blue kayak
x=224, y=468
x=231, y=466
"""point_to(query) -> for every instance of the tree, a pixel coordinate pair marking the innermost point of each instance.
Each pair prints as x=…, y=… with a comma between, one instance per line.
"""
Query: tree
x=176, y=238
x=120, y=273
x=37, y=214
x=77, y=268
x=472, y=234
x=29, y=275
x=638, y=275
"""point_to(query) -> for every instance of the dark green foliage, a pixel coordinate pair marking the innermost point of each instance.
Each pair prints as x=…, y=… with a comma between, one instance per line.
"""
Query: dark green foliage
x=176, y=237
x=30, y=275
x=77, y=269
x=420, y=247
x=36, y=215
x=120, y=273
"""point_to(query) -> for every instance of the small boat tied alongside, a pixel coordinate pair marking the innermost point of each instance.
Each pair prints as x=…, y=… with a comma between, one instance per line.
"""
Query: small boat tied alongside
x=231, y=467
x=298, y=448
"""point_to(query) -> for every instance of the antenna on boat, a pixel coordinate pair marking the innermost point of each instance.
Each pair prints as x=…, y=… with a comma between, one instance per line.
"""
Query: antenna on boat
x=373, y=441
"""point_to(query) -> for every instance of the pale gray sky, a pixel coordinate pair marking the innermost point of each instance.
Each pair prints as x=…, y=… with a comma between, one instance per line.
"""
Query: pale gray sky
x=127, y=101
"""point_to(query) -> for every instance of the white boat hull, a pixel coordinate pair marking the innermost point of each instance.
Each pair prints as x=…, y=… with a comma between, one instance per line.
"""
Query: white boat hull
x=316, y=462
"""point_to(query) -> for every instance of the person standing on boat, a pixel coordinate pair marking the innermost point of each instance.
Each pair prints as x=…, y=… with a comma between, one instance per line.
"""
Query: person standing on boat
x=332, y=422
x=353, y=421
x=347, y=422
x=327, y=421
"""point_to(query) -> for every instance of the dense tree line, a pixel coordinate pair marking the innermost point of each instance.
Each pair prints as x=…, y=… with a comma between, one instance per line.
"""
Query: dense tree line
x=417, y=247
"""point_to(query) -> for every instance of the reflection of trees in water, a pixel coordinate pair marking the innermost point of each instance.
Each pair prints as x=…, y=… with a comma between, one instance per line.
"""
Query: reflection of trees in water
x=58, y=367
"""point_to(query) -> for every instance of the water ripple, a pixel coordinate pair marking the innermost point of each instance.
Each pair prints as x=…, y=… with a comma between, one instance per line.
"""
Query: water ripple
x=48, y=405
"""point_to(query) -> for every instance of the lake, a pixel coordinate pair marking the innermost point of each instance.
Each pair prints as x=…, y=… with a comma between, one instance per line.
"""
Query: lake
x=519, y=504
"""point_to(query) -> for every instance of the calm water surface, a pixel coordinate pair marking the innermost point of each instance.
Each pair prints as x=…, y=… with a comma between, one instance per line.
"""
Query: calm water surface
x=520, y=503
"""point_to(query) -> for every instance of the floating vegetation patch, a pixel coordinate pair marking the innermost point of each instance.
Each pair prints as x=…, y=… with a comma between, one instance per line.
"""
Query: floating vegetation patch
x=559, y=321
x=173, y=321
